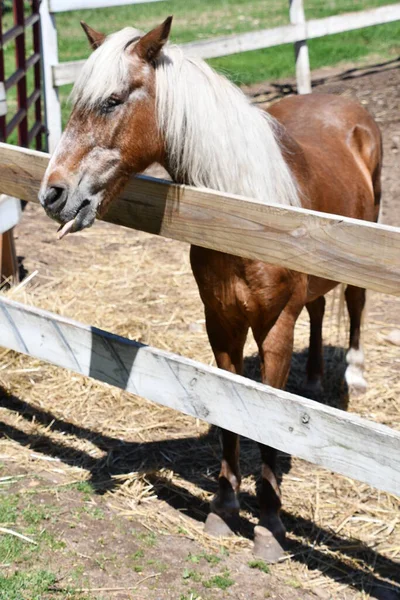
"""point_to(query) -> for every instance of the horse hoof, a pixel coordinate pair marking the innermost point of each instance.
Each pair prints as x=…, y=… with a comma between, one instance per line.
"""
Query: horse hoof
x=354, y=373
x=355, y=380
x=216, y=526
x=266, y=545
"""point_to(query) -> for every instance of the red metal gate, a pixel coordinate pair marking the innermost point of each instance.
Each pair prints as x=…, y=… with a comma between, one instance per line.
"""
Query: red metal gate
x=21, y=71
x=21, y=114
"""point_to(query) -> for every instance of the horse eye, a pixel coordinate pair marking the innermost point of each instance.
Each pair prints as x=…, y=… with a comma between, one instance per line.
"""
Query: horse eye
x=109, y=104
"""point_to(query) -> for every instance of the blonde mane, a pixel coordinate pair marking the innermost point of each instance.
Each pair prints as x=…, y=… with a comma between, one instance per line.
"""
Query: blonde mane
x=214, y=137
x=106, y=71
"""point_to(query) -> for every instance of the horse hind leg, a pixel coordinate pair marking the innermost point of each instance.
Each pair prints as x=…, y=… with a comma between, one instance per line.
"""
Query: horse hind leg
x=354, y=375
x=227, y=339
x=315, y=361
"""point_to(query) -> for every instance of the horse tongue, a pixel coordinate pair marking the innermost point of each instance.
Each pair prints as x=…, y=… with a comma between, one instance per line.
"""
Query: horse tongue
x=65, y=229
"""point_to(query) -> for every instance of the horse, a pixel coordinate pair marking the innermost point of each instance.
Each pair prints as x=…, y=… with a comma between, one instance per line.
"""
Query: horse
x=139, y=100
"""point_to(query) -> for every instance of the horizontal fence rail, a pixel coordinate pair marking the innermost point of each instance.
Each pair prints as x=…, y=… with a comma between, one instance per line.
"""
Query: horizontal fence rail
x=65, y=73
x=330, y=246
x=67, y=5
x=342, y=442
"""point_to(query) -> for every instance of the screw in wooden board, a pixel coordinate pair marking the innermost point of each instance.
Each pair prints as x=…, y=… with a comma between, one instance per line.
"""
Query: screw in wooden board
x=305, y=418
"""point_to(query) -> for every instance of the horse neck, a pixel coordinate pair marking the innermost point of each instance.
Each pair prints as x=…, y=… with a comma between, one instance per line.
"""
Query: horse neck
x=215, y=139
x=292, y=152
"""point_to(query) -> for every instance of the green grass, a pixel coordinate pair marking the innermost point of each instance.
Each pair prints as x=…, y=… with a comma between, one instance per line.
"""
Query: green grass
x=35, y=514
x=210, y=558
x=191, y=574
x=222, y=581
x=30, y=585
x=8, y=508
x=260, y=565
x=202, y=19
x=149, y=539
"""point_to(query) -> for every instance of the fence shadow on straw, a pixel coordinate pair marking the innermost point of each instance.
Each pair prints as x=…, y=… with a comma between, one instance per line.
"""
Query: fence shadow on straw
x=195, y=459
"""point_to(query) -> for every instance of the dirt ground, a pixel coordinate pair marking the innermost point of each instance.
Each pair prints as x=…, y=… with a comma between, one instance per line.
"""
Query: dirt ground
x=111, y=491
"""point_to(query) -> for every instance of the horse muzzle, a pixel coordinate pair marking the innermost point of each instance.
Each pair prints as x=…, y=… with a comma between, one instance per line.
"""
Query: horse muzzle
x=72, y=210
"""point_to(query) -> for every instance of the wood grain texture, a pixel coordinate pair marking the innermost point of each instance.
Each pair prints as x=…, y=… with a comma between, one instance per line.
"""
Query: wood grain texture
x=8, y=258
x=341, y=442
x=331, y=246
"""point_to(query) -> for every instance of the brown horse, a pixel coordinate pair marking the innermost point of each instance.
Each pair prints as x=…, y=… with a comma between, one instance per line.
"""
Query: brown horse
x=139, y=101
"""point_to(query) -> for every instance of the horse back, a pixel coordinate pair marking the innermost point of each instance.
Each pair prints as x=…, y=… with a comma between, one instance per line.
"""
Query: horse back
x=334, y=147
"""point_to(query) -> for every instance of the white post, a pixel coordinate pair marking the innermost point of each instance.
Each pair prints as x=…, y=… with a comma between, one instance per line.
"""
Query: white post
x=50, y=58
x=3, y=100
x=303, y=76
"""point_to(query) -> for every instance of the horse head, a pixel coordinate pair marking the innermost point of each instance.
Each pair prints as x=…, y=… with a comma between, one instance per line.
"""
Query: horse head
x=112, y=132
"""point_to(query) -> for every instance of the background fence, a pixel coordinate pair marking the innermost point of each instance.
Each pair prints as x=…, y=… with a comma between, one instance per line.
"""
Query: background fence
x=24, y=24
x=363, y=253
x=297, y=32
x=21, y=70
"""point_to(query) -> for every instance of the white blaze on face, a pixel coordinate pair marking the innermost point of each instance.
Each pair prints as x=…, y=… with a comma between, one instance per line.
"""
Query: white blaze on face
x=87, y=163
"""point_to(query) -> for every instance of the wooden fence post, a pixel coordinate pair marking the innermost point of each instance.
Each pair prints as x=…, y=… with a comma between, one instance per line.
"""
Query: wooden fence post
x=10, y=214
x=8, y=256
x=303, y=76
x=50, y=59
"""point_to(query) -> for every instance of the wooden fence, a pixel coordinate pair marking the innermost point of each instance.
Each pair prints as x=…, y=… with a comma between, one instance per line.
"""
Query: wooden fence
x=298, y=32
x=363, y=253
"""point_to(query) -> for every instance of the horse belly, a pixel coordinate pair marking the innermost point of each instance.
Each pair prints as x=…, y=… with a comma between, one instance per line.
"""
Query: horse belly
x=317, y=286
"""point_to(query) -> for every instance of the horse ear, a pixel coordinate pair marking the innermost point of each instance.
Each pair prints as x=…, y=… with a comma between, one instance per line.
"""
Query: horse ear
x=95, y=37
x=151, y=44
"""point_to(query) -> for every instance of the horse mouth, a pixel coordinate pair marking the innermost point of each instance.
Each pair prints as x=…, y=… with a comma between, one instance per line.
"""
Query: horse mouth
x=75, y=224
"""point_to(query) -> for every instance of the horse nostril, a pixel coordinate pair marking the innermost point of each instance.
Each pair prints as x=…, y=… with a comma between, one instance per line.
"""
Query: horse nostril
x=53, y=194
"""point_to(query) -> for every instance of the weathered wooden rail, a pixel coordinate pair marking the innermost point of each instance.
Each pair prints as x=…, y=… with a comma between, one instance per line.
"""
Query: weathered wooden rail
x=339, y=441
x=338, y=248
x=343, y=249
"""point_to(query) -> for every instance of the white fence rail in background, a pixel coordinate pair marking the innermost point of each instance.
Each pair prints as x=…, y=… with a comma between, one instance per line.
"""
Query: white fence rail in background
x=298, y=32
x=341, y=442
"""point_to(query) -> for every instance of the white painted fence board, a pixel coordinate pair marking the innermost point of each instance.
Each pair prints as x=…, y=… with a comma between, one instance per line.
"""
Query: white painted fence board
x=339, y=441
x=50, y=58
x=303, y=74
x=330, y=246
x=10, y=212
x=66, y=72
x=67, y=5
x=352, y=21
x=3, y=99
x=243, y=42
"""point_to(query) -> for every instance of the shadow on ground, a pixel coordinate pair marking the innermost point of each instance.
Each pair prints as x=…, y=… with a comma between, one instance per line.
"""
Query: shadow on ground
x=196, y=459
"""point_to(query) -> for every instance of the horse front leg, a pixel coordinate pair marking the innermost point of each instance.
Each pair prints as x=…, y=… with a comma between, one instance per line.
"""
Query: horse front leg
x=275, y=350
x=227, y=340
